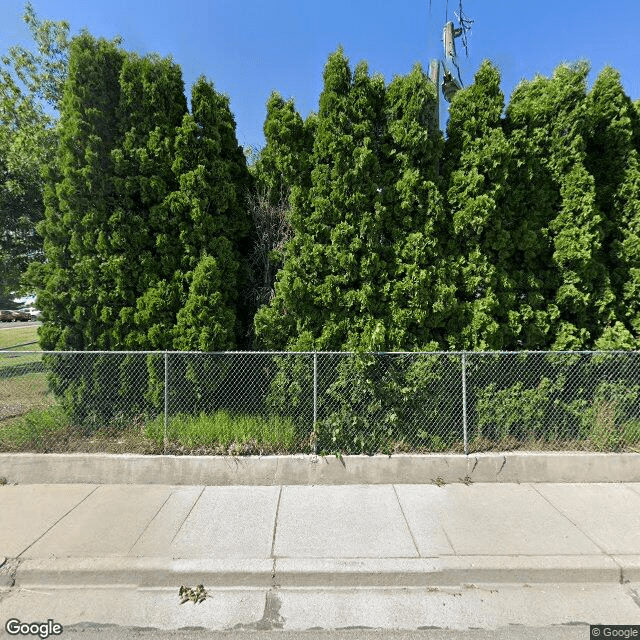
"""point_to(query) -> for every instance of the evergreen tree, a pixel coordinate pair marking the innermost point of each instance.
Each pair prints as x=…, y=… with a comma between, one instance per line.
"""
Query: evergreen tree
x=282, y=166
x=477, y=163
x=364, y=269
x=501, y=199
x=211, y=221
x=79, y=198
x=612, y=159
x=151, y=107
x=422, y=292
x=552, y=114
x=284, y=158
x=207, y=321
x=329, y=291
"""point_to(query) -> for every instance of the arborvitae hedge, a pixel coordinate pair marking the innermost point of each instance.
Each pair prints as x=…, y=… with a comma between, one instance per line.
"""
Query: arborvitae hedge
x=521, y=233
x=146, y=228
x=521, y=230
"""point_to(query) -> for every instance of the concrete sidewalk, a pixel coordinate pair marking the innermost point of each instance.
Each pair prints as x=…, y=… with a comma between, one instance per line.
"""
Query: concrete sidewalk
x=319, y=536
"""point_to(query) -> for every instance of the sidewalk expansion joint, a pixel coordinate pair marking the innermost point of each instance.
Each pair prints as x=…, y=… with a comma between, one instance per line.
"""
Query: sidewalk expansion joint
x=75, y=506
x=188, y=514
x=155, y=515
x=634, y=595
x=564, y=515
x=632, y=488
x=415, y=544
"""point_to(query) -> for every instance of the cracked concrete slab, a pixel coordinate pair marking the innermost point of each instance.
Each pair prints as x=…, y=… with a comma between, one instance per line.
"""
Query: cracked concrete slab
x=271, y=618
x=8, y=570
x=472, y=606
x=143, y=607
x=479, y=606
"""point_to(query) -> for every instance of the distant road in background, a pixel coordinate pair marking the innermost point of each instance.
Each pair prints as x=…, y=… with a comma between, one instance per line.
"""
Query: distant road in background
x=15, y=325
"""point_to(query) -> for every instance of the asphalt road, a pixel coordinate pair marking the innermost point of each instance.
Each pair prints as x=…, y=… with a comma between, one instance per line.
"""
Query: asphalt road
x=563, y=632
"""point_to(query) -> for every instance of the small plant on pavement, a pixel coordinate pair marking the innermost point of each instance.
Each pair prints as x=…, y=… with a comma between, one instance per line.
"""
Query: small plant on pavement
x=199, y=594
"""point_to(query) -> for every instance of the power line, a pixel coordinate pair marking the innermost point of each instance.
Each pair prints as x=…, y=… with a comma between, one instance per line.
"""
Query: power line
x=465, y=26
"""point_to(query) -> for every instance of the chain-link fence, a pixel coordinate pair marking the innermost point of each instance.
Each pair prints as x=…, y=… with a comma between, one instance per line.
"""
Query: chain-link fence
x=325, y=402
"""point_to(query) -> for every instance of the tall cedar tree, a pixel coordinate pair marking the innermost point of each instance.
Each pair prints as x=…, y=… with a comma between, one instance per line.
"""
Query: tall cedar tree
x=211, y=216
x=552, y=114
x=612, y=159
x=144, y=203
x=360, y=271
x=326, y=291
x=152, y=105
x=284, y=160
x=79, y=198
x=499, y=204
x=477, y=161
x=282, y=166
x=423, y=296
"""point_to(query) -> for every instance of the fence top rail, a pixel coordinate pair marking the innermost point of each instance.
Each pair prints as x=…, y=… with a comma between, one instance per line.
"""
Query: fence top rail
x=311, y=353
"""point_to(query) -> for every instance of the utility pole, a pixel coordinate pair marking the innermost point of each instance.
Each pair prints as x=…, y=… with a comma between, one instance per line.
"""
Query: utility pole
x=445, y=73
x=434, y=76
x=452, y=82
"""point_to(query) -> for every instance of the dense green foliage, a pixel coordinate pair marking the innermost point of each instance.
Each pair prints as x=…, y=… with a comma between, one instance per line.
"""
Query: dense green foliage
x=361, y=228
x=520, y=231
x=145, y=226
x=30, y=86
x=146, y=230
x=363, y=270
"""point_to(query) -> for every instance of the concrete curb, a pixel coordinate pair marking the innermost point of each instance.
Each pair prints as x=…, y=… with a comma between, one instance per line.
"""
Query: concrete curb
x=28, y=468
x=145, y=572
x=458, y=571
x=630, y=567
x=445, y=571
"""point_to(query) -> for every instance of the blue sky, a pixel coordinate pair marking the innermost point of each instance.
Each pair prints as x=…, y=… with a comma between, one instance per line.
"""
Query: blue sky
x=249, y=48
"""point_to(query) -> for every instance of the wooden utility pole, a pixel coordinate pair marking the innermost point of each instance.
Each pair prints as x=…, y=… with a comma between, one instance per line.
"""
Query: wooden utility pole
x=434, y=76
x=452, y=82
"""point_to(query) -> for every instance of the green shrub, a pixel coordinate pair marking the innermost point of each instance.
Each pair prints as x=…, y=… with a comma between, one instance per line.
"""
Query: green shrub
x=97, y=390
x=608, y=423
x=630, y=433
x=377, y=403
x=517, y=411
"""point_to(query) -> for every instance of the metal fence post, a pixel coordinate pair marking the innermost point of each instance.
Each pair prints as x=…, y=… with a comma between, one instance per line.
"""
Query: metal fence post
x=315, y=400
x=166, y=398
x=464, y=403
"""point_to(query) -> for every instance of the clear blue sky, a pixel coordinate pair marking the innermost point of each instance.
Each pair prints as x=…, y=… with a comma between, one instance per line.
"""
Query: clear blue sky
x=249, y=47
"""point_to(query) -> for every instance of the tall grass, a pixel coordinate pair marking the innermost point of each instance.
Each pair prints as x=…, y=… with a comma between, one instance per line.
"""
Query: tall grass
x=38, y=429
x=223, y=429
